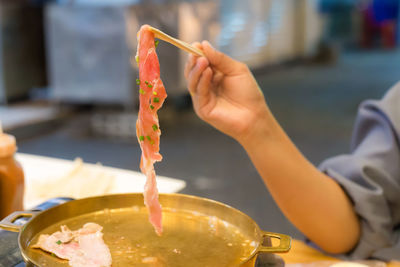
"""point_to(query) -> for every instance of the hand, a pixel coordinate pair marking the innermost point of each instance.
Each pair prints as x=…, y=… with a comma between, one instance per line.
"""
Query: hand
x=225, y=93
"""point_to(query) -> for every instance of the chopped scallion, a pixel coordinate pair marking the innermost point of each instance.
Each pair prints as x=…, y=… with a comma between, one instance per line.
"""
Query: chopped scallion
x=141, y=91
x=155, y=127
x=150, y=86
x=141, y=138
x=151, y=106
x=59, y=242
x=137, y=81
x=154, y=93
x=156, y=100
x=151, y=142
x=137, y=59
x=156, y=43
x=148, y=137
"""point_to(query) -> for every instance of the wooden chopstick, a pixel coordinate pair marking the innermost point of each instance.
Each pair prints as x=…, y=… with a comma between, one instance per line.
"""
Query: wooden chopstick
x=176, y=42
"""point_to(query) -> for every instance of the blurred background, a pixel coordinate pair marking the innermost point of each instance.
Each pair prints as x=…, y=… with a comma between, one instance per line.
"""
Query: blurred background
x=67, y=88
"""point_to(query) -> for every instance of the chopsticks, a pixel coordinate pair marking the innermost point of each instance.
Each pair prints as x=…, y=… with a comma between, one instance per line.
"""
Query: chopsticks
x=176, y=42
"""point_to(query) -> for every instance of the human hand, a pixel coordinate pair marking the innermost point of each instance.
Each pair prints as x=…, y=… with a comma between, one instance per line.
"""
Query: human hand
x=225, y=93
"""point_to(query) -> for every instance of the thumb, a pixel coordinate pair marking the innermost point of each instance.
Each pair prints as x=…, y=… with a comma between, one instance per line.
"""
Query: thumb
x=219, y=60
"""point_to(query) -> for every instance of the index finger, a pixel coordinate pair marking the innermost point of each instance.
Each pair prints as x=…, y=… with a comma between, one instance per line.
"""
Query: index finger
x=191, y=61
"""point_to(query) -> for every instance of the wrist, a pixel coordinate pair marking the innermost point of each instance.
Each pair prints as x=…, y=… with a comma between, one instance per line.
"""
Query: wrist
x=262, y=128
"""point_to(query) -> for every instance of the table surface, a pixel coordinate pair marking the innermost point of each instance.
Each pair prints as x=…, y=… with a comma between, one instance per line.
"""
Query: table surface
x=53, y=174
x=302, y=253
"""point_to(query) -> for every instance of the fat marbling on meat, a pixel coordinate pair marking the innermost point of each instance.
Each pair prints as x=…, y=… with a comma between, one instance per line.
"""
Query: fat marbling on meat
x=151, y=96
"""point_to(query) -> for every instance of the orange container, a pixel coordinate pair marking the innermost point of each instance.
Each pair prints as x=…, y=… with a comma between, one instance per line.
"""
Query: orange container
x=11, y=177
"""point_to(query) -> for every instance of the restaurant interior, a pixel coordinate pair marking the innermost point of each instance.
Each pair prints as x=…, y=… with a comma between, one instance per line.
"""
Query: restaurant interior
x=68, y=91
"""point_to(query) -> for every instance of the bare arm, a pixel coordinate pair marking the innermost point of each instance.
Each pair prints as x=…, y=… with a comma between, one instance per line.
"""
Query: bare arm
x=312, y=201
x=226, y=95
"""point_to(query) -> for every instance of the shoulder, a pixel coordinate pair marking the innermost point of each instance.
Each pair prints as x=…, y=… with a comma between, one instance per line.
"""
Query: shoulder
x=379, y=116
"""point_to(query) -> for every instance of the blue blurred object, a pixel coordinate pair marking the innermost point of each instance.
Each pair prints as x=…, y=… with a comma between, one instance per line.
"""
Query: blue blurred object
x=331, y=6
x=41, y=2
x=384, y=10
x=380, y=23
x=339, y=27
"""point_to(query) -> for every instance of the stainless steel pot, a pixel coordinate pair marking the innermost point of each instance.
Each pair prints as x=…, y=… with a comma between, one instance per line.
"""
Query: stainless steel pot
x=197, y=231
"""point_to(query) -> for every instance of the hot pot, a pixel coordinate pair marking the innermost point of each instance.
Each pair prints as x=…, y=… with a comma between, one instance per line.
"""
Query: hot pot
x=197, y=231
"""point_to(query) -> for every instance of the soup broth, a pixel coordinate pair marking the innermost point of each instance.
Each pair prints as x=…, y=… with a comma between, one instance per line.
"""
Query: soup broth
x=189, y=239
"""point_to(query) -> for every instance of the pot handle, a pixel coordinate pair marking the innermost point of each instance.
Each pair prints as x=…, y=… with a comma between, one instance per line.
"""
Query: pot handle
x=284, y=243
x=8, y=223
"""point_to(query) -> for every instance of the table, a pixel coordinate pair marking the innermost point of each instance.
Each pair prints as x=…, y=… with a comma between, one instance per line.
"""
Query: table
x=39, y=169
x=55, y=174
x=302, y=253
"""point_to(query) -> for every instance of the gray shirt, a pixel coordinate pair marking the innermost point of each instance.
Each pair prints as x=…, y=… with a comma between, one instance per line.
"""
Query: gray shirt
x=370, y=175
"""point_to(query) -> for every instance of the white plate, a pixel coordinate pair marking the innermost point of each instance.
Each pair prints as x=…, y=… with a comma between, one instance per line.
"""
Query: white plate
x=47, y=177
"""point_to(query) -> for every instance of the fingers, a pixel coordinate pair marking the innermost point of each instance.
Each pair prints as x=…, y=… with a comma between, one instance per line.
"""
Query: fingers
x=195, y=73
x=189, y=65
x=191, y=60
x=220, y=61
x=204, y=82
x=217, y=78
x=203, y=93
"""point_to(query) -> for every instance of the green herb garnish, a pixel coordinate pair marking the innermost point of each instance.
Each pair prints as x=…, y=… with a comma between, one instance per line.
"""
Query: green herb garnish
x=137, y=81
x=148, y=84
x=155, y=127
x=151, y=142
x=137, y=59
x=148, y=137
x=151, y=106
x=141, y=138
x=59, y=242
x=156, y=42
x=156, y=100
x=141, y=91
x=154, y=93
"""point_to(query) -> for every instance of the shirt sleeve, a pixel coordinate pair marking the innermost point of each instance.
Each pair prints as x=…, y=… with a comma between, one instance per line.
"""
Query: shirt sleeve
x=370, y=175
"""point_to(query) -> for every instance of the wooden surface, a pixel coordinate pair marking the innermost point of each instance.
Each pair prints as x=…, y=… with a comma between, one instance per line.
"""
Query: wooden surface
x=302, y=253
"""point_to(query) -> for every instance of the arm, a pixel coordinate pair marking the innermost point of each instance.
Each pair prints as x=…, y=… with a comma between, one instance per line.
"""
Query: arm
x=312, y=201
x=226, y=95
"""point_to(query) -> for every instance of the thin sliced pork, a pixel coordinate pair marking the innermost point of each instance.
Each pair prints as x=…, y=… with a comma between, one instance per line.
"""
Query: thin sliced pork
x=151, y=96
x=82, y=248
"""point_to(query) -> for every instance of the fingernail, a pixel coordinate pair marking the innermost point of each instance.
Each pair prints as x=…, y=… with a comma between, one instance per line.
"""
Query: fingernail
x=205, y=60
x=199, y=62
x=207, y=43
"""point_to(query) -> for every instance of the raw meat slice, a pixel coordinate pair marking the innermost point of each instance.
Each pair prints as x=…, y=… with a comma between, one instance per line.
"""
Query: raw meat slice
x=83, y=248
x=151, y=96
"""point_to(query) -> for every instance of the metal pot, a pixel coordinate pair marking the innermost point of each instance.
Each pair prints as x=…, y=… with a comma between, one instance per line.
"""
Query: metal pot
x=197, y=231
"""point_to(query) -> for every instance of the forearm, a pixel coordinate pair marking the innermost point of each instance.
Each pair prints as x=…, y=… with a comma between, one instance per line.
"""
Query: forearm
x=312, y=201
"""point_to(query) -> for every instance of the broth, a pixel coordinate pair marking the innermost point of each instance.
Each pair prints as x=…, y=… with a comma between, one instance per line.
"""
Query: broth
x=189, y=239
